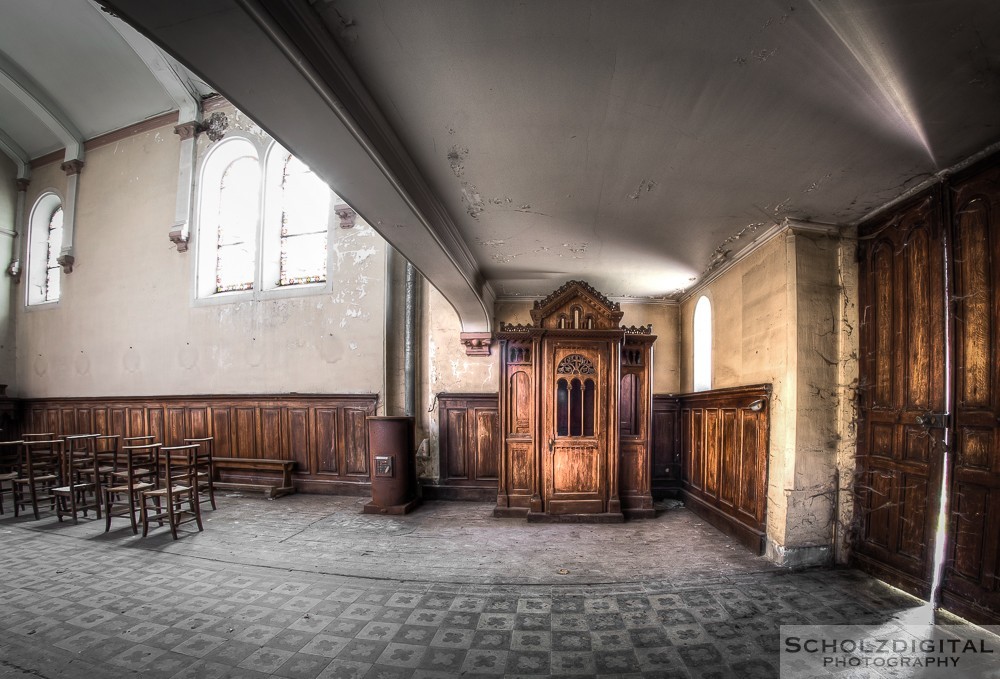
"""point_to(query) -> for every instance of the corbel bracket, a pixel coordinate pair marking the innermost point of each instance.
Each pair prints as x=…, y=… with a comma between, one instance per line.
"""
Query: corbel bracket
x=477, y=343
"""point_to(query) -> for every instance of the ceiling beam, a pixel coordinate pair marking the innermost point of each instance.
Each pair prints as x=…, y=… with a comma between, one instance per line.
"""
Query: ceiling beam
x=13, y=150
x=167, y=72
x=40, y=104
x=276, y=62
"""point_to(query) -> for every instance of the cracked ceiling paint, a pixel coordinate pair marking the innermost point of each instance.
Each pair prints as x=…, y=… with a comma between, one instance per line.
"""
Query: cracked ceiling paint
x=630, y=143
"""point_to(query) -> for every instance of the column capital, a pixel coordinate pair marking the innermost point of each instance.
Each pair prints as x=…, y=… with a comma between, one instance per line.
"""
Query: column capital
x=72, y=167
x=186, y=130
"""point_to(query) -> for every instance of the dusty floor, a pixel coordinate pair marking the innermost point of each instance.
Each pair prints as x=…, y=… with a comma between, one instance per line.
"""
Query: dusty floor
x=306, y=586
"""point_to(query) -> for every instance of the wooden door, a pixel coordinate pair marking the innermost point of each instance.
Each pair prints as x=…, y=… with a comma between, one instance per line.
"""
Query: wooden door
x=971, y=583
x=575, y=395
x=900, y=446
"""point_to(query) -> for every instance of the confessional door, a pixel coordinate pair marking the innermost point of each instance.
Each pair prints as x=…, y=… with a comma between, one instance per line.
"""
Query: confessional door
x=577, y=399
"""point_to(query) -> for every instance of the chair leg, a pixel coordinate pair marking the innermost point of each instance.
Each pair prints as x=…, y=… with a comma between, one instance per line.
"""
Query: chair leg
x=107, y=509
x=145, y=515
x=132, y=496
x=34, y=500
x=211, y=483
x=197, y=512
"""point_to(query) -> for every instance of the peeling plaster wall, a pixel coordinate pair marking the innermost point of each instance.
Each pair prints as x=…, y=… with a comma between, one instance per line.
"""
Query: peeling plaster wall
x=662, y=316
x=127, y=323
x=446, y=369
x=783, y=316
x=8, y=211
x=811, y=495
x=847, y=390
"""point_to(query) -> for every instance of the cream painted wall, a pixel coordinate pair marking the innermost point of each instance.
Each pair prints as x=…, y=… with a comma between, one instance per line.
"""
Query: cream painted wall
x=127, y=322
x=751, y=314
x=446, y=369
x=783, y=315
x=8, y=210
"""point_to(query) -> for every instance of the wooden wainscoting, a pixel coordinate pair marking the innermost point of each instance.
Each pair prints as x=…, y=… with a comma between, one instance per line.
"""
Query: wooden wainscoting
x=469, y=431
x=326, y=435
x=724, y=444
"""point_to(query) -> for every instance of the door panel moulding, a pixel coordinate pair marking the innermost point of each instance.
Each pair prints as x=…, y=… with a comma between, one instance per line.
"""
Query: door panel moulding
x=264, y=57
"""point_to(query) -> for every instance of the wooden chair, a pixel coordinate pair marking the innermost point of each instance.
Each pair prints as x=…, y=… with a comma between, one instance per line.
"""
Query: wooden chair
x=178, y=500
x=206, y=468
x=10, y=470
x=80, y=478
x=122, y=496
x=108, y=456
x=40, y=474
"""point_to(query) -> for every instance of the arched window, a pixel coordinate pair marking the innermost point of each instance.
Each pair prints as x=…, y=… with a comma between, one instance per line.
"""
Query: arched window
x=702, y=342
x=45, y=232
x=229, y=215
x=297, y=221
x=264, y=220
x=236, y=225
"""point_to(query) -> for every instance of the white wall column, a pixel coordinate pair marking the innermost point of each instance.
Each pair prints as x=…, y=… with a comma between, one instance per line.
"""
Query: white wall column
x=72, y=168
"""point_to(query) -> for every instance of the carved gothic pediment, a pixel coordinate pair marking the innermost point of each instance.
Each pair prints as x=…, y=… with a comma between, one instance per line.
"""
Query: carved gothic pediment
x=577, y=305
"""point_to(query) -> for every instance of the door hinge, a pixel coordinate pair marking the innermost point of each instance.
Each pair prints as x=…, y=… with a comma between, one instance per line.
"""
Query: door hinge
x=933, y=420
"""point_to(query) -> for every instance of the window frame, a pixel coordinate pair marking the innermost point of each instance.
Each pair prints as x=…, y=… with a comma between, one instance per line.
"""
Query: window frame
x=267, y=229
x=702, y=345
x=37, y=250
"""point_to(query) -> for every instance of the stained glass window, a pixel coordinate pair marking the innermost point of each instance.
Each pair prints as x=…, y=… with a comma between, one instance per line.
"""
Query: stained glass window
x=305, y=212
x=239, y=209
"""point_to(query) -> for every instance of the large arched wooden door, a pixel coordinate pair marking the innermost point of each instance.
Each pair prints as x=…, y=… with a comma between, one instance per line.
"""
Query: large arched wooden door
x=576, y=393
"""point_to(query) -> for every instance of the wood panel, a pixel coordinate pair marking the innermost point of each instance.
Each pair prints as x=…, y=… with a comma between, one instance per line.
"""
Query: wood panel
x=971, y=582
x=902, y=343
x=635, y=428
x=469, y=443
x=724, y=445
x=324, y=434
x=517, y=490
x=666, y=446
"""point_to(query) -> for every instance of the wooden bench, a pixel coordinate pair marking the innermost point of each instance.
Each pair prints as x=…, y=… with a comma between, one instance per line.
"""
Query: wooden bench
x=250, y=464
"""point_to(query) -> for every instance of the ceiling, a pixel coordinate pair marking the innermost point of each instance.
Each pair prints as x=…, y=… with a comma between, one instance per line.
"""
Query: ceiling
x=505, y=146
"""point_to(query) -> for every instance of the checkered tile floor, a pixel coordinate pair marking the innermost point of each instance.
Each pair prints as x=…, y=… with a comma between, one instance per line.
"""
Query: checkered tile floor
x=76, y=607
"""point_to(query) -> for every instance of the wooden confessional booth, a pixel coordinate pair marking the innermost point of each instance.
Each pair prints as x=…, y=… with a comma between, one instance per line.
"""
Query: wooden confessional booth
x=575, y=412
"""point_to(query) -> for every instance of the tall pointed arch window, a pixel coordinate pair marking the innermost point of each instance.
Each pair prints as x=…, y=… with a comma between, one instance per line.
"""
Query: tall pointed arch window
x=45, y=236
x=702, y=344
